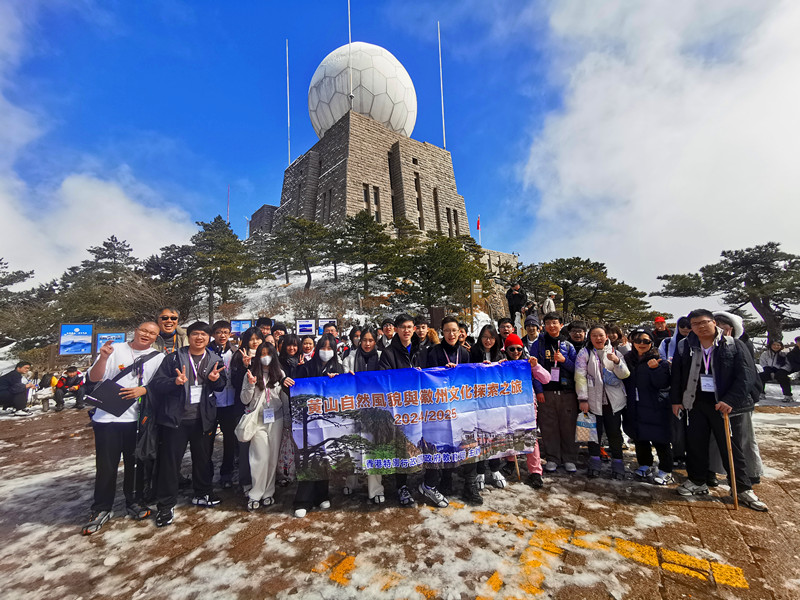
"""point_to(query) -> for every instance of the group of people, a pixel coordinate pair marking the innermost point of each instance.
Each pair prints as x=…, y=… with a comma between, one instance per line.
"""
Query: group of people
x=665, y=391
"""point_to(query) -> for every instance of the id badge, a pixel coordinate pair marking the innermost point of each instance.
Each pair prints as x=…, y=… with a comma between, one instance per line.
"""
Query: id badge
x=196, y=394
x=555, y=374
x=590, y=382
x=269, y=415
x=707, y=383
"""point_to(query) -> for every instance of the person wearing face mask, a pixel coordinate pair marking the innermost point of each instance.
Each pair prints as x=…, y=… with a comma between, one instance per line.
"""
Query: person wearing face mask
x=307, y=349
x=315, y=492
x=241, y=362
x=599, y=371
x=365, y=357
x=263, y=391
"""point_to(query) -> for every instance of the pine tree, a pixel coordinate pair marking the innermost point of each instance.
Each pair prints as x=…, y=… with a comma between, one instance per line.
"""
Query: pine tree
x=223, y=263
x=365, y=242
x=763, y=276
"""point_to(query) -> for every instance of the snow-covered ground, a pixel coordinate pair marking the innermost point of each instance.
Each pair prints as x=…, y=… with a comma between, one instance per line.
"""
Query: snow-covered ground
x=576, y=538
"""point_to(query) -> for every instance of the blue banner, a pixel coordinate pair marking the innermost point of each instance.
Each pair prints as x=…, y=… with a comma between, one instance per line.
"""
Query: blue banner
x=401, y=420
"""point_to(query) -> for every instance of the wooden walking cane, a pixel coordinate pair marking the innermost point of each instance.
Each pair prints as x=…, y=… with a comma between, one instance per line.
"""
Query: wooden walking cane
x=516, y=464
x=727, y=421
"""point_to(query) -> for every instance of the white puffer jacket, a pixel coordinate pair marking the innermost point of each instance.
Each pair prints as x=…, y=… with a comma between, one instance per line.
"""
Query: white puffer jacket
x=589, y=378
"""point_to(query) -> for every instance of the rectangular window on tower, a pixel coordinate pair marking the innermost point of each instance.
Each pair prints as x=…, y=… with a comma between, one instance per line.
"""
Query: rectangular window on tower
x=376, y=195
x=330, y=197
x=455, y=220
x=418, y=190
x=366, y=199
x=436, y=210
x=449, y=223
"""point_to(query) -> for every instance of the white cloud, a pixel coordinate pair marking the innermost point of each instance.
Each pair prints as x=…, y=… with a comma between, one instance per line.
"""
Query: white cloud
x=47, y=227
x=678, y=136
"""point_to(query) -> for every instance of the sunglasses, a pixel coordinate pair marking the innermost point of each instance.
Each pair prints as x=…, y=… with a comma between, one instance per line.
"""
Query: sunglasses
x=514, y=349
x=643, y=342
x=165, y=318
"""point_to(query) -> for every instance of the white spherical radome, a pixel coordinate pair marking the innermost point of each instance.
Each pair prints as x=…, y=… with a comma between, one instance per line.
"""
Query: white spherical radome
x=382, y=89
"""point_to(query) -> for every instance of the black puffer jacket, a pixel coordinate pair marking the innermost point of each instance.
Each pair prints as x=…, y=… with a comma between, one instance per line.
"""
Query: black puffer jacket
x=648, y=416
x=395, y=356
x=733, y=375
x=170, y=398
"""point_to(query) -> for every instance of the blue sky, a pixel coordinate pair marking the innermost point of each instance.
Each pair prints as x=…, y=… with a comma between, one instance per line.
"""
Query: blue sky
x=191, y=97
x=647, y=135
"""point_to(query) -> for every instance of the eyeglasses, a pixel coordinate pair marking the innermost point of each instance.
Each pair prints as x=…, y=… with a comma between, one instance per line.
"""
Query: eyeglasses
x=701, y=323
x=514, y=349
x=643, y=342
x=166, y=318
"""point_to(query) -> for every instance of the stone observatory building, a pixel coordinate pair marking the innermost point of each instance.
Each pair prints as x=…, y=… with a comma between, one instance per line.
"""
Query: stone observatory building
x=365, y=157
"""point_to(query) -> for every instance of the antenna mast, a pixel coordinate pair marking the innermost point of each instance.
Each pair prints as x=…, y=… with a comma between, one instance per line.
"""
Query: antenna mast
x=288, y=117
x=441, y=83
x=350, y=54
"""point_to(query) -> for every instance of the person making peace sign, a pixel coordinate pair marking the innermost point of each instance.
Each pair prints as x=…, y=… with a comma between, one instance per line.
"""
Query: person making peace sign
x=186, y=410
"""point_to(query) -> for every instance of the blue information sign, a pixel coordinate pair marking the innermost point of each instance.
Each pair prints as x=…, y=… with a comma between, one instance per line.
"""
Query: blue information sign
x=75, y=338
x=240, y=326
x=115, y=338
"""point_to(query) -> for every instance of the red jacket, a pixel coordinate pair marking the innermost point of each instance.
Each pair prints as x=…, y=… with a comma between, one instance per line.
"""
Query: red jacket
x=68, y=382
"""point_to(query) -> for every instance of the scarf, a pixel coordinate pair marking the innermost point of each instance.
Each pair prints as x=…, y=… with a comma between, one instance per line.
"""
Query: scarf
x=366, y=361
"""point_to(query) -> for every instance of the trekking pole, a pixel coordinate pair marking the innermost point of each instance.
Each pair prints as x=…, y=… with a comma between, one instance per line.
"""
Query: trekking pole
x=516, y=464
x=727, y=421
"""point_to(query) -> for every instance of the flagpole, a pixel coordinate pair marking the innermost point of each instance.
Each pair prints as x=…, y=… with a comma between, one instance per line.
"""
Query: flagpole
x=479, y=231
x=228, y=217
x=288, y=113
x=441, y=83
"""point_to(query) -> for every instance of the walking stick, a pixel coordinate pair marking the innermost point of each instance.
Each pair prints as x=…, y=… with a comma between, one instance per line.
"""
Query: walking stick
x=516, y=464
x=727, y=421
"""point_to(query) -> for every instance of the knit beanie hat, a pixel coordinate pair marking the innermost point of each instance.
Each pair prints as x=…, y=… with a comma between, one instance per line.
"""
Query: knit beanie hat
x=512, y=339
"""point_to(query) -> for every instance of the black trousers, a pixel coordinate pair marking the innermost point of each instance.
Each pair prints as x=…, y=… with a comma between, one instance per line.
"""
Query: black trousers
x=227, y=419
x=311, y=493
x=781, y=376
x=170, y=456
x=704, y=421
x=61, y=393
x=611, y=423
x=112, y=440
x=18, y=401
x=644, y=455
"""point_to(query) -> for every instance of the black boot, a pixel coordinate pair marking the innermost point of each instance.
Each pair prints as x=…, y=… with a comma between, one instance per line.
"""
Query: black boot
x=471, y=493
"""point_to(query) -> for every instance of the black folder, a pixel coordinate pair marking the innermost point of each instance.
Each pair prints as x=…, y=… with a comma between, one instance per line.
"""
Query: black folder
x=106, y=396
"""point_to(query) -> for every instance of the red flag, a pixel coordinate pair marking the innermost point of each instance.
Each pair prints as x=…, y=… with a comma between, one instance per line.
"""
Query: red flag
x=479, y=222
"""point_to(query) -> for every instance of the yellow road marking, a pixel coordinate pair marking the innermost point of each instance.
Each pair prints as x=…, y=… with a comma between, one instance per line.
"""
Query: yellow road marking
x=545, y=544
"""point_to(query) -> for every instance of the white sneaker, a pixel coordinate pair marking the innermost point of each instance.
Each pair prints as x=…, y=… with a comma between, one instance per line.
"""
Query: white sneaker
x=750, y=500
x=570, y=467
x=22, y=413
x=497, y=480
x=378, y=499
x=324, y=505
x=300, y=513
x=550, y=466
x=481, y=481
x=434, y=496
